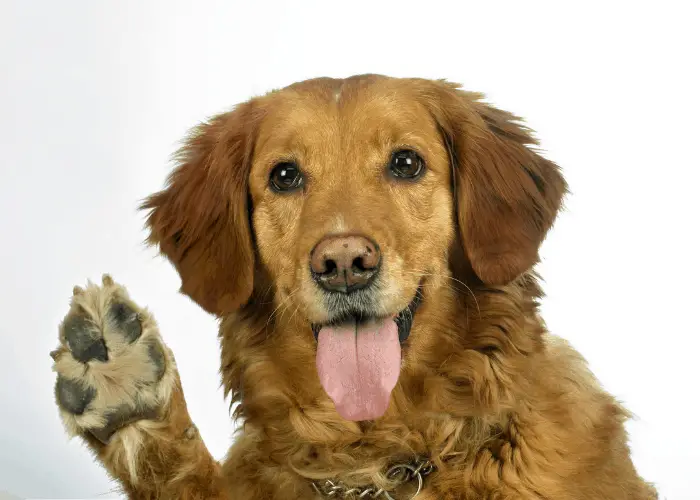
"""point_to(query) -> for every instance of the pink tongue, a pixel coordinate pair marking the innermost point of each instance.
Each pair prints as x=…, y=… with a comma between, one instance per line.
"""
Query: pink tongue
x=359, y=366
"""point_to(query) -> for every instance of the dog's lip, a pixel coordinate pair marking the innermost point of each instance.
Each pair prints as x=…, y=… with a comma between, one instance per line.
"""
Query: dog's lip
x=403, y=319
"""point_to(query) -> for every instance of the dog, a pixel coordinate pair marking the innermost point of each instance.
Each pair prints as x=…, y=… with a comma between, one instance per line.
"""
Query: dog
x=368, y=246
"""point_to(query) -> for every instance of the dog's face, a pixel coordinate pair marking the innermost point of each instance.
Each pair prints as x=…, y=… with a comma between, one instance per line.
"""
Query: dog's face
x=351, y=200
x=344, y=198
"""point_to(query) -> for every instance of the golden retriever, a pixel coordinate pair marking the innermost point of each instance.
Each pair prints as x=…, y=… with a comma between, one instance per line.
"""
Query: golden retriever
x=368, y=246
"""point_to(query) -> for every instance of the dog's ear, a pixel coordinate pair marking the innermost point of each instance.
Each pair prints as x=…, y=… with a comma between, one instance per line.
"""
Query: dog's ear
x=507, y=195
x=200, y=221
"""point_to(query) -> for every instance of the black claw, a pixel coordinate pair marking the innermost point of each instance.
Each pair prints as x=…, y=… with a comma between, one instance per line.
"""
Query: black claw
x=127, y=320
x=84, y=340
x=155, y=352
x=121, y=417
x=73, y=396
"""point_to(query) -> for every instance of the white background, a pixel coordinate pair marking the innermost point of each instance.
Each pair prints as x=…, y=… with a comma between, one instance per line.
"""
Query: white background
x=94, y=96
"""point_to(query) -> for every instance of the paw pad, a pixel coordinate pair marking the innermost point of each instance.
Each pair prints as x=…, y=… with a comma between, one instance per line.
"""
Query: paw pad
x=126, y=320
x=84, y=339
x=72, y=395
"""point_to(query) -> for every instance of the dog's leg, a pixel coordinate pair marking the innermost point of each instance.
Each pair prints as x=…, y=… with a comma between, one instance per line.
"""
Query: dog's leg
x=118, y=389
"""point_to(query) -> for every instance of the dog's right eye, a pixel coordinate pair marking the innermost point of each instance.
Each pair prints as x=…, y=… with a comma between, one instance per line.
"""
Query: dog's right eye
x=286, y=177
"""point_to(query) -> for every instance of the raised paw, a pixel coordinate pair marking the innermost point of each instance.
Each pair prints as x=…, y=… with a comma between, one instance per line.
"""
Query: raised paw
x=113, y=368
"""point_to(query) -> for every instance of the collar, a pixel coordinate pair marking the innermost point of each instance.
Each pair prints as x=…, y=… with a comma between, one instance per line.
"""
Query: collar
x=398, y=475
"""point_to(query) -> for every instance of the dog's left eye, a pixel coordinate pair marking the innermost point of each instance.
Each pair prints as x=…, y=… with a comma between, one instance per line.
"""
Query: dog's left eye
x=286, y=177
x=406, y=164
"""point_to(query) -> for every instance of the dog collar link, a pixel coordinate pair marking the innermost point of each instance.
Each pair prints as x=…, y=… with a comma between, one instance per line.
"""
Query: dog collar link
x=399, y=474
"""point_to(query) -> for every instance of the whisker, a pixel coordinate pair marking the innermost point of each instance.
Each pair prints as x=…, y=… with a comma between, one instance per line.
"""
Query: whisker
x=287, y=305
x=282, y=303
x=296, y=310
x=447, y=276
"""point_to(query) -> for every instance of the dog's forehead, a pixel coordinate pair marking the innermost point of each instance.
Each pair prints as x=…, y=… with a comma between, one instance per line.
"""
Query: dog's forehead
x=325, y=111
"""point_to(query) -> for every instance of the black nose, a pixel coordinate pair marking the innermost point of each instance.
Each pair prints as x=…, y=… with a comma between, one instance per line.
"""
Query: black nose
x=345, y=263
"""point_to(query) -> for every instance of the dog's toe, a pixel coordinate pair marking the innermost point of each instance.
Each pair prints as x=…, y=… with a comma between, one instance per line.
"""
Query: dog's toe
x=126, y=319
x=73, y=396
x=84, y=338
x=157, y=357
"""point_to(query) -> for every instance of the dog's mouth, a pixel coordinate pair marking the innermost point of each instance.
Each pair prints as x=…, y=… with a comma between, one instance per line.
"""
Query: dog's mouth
x=358, y=359
x=403, y=319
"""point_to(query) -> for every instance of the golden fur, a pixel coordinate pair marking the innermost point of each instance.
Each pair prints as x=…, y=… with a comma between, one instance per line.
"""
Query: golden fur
x=504, y=409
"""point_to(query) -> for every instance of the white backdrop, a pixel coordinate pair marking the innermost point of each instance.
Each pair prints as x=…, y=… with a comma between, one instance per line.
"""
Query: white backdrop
x=95, y=95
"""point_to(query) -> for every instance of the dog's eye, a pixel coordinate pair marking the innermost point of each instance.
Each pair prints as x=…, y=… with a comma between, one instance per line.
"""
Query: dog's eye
x=286, y=177
x=406, y=164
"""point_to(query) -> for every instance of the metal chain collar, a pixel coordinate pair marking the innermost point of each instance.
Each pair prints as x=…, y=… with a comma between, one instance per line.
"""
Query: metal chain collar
x=400, y=473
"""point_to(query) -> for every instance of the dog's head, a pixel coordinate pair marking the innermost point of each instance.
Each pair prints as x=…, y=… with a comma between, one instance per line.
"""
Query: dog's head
x=345, y=199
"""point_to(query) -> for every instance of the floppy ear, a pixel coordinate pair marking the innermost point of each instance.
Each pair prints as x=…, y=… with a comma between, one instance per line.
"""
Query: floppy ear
x=507, y=195
x=200, y=220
